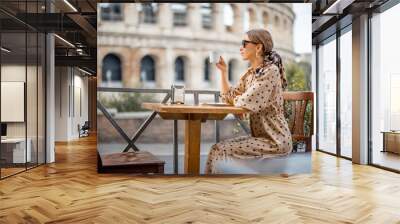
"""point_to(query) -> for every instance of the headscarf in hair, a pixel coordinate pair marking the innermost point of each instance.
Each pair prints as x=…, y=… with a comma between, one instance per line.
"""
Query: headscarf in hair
x=263, y=37
x=274, y=58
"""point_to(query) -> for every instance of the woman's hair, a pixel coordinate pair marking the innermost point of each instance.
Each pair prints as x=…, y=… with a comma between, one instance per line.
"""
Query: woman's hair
x=263, y=37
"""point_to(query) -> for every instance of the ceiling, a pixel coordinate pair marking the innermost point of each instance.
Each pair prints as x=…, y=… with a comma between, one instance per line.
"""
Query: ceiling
x=74, y=22
x=330, y=15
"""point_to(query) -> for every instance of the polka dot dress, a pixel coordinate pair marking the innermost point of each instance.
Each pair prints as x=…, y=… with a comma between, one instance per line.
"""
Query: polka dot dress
x=260, y=91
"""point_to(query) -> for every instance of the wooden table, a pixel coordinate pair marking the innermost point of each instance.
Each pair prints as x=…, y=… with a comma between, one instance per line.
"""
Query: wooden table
x=193, y=116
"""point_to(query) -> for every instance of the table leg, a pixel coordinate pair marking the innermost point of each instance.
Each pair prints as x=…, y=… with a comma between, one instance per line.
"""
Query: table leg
x=192, y=146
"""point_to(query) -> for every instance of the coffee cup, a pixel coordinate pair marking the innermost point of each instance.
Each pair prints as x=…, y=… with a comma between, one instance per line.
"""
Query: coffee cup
x=214, y=57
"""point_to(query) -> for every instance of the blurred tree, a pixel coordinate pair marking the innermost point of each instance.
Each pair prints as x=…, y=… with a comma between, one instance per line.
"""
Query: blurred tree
x=298, y=76
x=125, y=102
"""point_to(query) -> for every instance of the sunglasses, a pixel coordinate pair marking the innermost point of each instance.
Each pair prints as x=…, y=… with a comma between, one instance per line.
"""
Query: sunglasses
x=245, y=42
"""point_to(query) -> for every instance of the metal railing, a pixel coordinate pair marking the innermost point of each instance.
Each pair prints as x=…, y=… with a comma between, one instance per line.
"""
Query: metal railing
x=131, y=140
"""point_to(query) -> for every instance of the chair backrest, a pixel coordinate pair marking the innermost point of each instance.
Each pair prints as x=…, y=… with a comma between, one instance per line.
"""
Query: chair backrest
x=296, y=112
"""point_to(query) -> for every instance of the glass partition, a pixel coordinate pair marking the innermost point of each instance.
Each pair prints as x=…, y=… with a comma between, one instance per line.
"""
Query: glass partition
x=14, y=153
x=327, y=96
x=41, y=96
x=31, y=97
x=346, y=94
x=385, y=89
x=22, y=88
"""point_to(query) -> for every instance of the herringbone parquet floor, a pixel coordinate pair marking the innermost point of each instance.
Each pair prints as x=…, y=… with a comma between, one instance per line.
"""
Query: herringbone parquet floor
x=70, y=191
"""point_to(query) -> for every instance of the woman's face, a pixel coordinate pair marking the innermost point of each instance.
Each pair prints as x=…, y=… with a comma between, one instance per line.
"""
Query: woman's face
x=248, y=49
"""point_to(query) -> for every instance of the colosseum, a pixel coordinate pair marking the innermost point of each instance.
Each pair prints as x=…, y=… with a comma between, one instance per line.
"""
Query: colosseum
x=151, y=45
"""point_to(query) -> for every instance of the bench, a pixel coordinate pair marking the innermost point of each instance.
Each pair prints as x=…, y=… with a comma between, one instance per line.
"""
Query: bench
x=129, y=162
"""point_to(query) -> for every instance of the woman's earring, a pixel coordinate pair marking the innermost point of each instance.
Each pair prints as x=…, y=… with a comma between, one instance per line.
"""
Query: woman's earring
x=257, y=54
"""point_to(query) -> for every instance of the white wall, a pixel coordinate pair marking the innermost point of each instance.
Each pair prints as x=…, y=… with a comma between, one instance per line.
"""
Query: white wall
x=17, y=73
x=71, y=94
x=79, y=117
x=62, y=80
x=33, y=126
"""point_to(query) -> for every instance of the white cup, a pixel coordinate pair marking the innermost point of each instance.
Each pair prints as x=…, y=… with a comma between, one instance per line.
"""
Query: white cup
x=214, y=57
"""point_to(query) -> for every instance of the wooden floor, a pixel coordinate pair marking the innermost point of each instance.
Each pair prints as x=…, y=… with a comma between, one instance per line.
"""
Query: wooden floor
x=387, y=159
x=70, y=191
x=10, y=171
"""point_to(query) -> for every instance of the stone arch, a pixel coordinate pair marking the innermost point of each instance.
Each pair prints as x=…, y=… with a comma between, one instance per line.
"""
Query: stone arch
x=148, y=69
x=111, y=69
x=232, y=19
x=233, y=69
x=252, y=17
x=265, y=18
x=277, y=21
x=111, y=12
x=217, y=10
x=148, y=13
x=136, y=66
x=207, y=15
x=179, y=14
x=206, y=69
x=285, y=24
x=181, y=68
x=237, y=17
x=229, y=17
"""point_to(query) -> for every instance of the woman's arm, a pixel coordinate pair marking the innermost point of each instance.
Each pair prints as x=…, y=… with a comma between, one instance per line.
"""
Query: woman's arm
x=228, y=92
x=221, y=65
x=225, y=85
x=257, y=96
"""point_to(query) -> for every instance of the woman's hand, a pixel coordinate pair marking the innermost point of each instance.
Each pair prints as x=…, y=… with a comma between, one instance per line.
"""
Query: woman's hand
x=221, y=65
x=242, y=116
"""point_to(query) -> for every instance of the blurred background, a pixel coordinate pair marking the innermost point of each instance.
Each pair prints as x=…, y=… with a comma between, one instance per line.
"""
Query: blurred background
x=153, y=45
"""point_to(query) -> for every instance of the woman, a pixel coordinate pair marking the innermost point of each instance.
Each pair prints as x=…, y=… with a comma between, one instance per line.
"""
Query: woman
x=260, y=90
